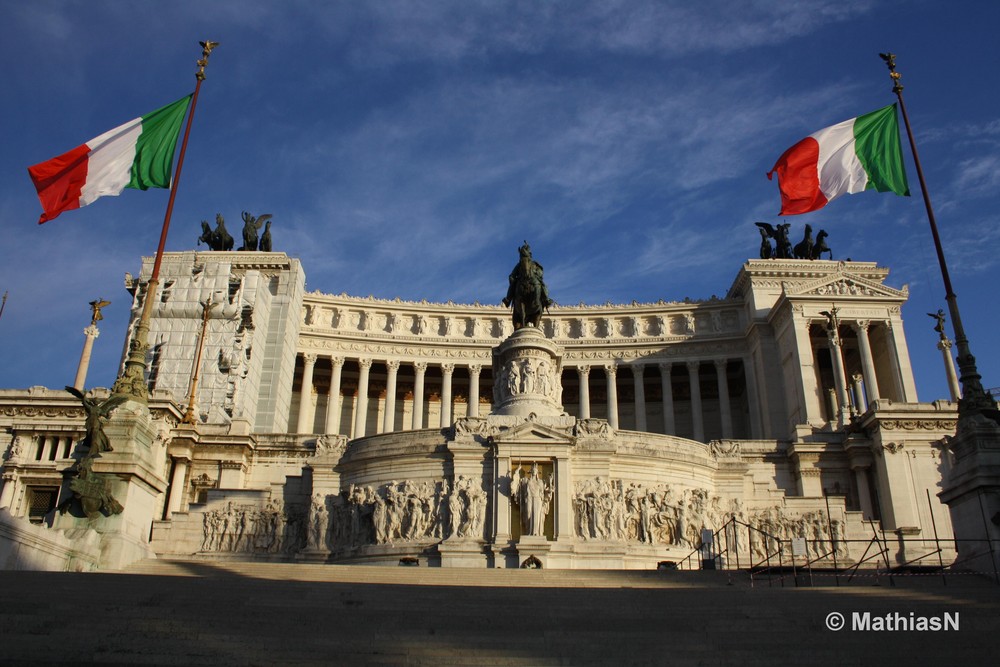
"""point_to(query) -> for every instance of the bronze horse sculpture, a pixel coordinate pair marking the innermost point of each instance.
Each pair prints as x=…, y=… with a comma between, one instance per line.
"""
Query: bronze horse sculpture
x=526, y=292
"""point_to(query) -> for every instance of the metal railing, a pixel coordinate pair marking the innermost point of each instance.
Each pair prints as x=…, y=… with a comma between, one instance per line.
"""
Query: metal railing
x=739, y=546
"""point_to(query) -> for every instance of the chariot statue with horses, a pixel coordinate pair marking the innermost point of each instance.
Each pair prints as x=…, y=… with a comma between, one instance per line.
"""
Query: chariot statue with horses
x=526, y=292
x=782, y=249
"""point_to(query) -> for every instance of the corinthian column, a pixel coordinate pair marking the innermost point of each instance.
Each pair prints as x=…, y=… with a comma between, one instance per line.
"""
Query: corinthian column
x=867, y=364
x=361, y=414
x=389, y=420
x=669, y=427
x=640, y=396
x=697, y=418
x=949, y=369
x=305, y=394
x=419, y=369
x=473, y=405
x=724, y=408
x=839, y=377
x=333, y=399
x=612, y=374
x=91, y=334
x=447, y=371
x=584, y=373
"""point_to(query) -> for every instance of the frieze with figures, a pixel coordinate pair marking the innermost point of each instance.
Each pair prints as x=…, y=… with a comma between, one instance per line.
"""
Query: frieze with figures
x=662, y=514
x=397, y=512
x=272, y=529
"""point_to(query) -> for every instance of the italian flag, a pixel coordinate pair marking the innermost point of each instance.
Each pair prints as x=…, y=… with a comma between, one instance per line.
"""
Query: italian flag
x=863, y=153
x=138, y=154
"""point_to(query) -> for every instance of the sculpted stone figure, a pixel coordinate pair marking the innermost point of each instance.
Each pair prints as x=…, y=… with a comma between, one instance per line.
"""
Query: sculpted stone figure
x=526, y=292
x=96, y=441
x=938, y=322
x=533, y=495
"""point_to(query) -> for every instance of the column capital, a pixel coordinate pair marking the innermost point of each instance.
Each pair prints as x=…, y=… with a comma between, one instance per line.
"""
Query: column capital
x=611, y=368
x=475, y=369
x=944, y=344
x=721, y=363
x=583, y=371
x=392, y=365
x=420, y=366
x=91, y=331
x=365, y=363
x=337, y=362
x=693, y=365
x=861, y=325
x=310, y=357
x=666, y=366
x=637, y=368
x=447, y=369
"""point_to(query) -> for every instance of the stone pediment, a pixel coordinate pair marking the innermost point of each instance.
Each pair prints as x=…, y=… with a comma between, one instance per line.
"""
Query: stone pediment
x=531, y=431
x=844, y=285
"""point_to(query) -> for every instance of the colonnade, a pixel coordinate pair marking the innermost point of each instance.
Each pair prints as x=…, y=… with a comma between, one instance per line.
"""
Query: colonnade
x=405, y=405
x=856, y=380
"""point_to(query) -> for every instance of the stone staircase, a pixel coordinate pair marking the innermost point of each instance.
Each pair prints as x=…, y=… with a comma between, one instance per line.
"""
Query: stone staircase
x=196, y=612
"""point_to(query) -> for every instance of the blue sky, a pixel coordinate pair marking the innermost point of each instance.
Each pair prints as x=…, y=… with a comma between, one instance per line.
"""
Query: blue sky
x=407, y=148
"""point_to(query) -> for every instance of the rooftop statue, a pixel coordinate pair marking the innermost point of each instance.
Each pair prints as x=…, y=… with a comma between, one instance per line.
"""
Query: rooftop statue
x=782, y=249
x=250, y=227
x=217, y=239
x=526, y=293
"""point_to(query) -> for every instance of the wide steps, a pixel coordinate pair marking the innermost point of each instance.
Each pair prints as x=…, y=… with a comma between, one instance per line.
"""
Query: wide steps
x=188, y=612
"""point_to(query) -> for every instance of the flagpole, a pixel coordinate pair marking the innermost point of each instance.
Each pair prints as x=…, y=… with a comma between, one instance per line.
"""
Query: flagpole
x=974, y=398
x=132, y=382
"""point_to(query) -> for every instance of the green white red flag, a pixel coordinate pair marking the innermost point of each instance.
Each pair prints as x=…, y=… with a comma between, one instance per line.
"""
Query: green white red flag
x=138, y=154
x=862, y=153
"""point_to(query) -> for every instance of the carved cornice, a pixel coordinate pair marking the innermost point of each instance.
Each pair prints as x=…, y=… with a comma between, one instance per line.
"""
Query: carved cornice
x=944, y=424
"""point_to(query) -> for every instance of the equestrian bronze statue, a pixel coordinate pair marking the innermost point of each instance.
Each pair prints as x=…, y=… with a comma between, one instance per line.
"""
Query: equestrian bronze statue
x=526, y=293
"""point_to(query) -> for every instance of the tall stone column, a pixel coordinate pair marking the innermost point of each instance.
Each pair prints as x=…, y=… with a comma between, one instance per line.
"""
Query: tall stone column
x=177, y=486
x=447, y=372
x=753, y=400
x=333, y=399
x=900, y=360
x=7, y=494
x=583, y=372
x=473, y=406
x=867, y=364
x=858, y=393
x=91, y=333
x=839, y=377
x=724, y=408
x=697, y=416
x=611, y=372
x=640, y=396
x=864, y=495
x=305, y=394
x=389, y=421
x=669, y=425
x=361, y=414
x=419, y=369
x=949, y=369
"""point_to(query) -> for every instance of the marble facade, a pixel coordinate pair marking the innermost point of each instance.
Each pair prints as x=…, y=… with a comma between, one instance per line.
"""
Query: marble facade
x=359, y=430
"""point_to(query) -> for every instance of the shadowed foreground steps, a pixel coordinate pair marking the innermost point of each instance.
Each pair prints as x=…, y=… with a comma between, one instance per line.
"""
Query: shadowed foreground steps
x=197, y=613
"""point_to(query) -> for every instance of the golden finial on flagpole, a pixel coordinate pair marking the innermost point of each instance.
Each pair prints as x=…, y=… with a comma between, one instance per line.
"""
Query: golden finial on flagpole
x=206, y=51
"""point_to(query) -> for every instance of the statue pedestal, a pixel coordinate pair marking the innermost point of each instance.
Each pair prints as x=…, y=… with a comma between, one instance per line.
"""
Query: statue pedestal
x=526, y=367
x=972, y=493
x=550, y=555
x=457, y=552
x=137, y=480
